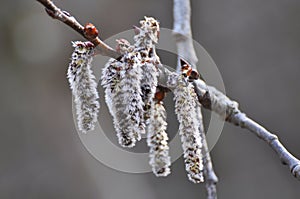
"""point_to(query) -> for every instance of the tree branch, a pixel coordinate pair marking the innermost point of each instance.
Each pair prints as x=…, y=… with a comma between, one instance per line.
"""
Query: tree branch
x=183, y=32
x=63, y=16
x=240, y=119
x=210, y=176
x=208, y=96
x=229, y=111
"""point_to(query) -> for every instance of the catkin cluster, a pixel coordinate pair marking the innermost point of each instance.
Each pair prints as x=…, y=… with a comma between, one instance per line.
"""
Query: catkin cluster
x=130, y=85
x=134, y=99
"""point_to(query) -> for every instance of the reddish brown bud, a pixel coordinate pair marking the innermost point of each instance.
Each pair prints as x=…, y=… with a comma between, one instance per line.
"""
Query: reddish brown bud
x=189, y=71
x=160, y=95
x=194, y=75
x=90, y=31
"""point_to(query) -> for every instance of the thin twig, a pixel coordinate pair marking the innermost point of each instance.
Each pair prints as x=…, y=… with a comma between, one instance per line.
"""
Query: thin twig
x=208, y=96
x=285, y=156
x=63, y=16
x=210, y=176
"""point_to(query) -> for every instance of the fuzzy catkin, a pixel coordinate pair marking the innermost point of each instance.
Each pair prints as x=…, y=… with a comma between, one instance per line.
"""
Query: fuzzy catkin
x=157, y=140
x=110, y=82
x=148, y=86
x=145, y=39
x=83, y=85
x=111, y=75
x=121, y=80
x=147, y=34
x=131, y=99
x=185, y=109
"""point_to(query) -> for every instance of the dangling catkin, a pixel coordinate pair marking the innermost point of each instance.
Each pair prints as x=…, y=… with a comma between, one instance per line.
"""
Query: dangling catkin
x=121, y=80
x=185, y=104
x=148, y=86
x=145, y=39
x=157, y=140
x=83, y=85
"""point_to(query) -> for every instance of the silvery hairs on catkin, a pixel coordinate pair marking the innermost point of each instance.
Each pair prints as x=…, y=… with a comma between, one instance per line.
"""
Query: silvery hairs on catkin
x=110, y=81
x=148, y=85
x=83, y=85
x=185, y=104
x=157, y=140
x=145, y=39
x=147, y=35
x=121, y=80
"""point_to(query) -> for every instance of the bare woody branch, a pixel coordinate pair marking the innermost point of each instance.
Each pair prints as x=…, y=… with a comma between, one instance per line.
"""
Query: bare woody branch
x=183, y=32
x=216, y=101
x=211, y=178
x=208, y=96
x=63, y=16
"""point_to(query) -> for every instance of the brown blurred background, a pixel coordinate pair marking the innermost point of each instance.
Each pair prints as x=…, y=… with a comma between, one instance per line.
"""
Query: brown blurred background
x=255, y=44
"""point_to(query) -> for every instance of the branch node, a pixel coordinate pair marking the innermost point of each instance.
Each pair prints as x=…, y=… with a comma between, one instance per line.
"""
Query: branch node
x=296, y=171
x=272, y=138
x=212, y=178
x=180, y=36
x=51, y=13
x=205, y=100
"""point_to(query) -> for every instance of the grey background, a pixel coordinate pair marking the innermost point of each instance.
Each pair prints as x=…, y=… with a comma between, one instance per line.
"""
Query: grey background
x=254, y=43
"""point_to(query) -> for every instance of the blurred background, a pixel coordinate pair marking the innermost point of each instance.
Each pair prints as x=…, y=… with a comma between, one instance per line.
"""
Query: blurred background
x=255, y=44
